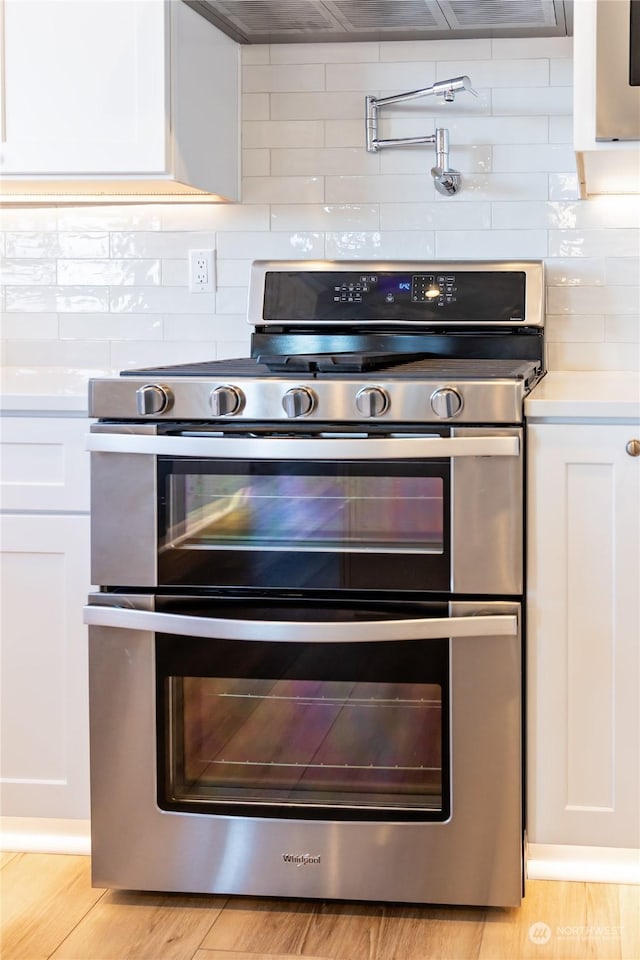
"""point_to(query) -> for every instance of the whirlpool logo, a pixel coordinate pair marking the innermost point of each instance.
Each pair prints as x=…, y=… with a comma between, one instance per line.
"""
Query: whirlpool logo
x=300, y=859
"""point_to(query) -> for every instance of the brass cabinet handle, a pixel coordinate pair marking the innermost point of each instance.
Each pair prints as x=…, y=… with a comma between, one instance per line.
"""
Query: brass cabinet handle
x=633, y=448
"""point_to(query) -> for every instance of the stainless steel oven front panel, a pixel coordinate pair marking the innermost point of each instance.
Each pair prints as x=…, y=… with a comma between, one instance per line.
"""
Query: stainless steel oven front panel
x=475, y=857
x=486, y=500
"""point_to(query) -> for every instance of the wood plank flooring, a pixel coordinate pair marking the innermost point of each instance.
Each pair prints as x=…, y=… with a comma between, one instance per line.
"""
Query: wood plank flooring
x=49, y=911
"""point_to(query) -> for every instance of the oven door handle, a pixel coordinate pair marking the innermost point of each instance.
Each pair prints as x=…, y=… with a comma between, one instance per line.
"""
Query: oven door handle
x=306, y=448
x=285, y=631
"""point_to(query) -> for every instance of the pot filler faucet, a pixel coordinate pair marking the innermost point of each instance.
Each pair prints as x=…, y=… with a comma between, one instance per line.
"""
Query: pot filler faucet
x=447, y=180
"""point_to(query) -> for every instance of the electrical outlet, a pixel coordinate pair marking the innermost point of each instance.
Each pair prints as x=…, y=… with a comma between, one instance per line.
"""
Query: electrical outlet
x=201, y=271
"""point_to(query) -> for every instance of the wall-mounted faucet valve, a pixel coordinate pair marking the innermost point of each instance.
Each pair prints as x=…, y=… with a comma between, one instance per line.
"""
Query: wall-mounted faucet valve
x=447, y=181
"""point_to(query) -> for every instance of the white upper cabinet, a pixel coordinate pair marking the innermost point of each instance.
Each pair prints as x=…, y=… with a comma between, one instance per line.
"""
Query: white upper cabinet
x=104, y=97
x=604, y=166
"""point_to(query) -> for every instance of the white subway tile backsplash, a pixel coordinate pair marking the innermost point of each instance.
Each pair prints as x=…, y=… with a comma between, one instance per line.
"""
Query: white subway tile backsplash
x=324, y=52
x=379, y=189
x=501, y=186
x=527, y=157
x=561, y=73
x=399, y=245
x=297, y=245
x=123, y=272
x=583, y=329
x=255, y=53
x=380, y=78
x=34, y=326
x=594, y=243
x=284, y=134
x=560, y=130
x=219, y=327
x=344, y=133
x=331, y=161
x=57, y=353
x=570, y=300
x=521, y=48
x=27, y=271
x=231, y=300
x=100, y=326
x=107, y=286
x=56, y=299
x=131, y=217
x=424, y=50
x=29, y=244
x=218, y=216
x=128, y=354
x=174, y=273
x=283, y=189
x=317, y=106
x=522, y=101
x=463, y=158
x=613, y=211
x=159, y=300
x=256, y=163
x=435, y=216
x=497, y=73
x=564, y=186
x=622, y=270
x=622, y=329
x=234, y=348
x=29, y=219
x=317, y=217
x=593, y=356
x=575, y=272
x=257, y=79
x=234, y=273
x=165, y=243
x=492, y=244
x=255, y=106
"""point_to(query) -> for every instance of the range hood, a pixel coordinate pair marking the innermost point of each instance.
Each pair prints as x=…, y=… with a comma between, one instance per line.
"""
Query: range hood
x=318, y=21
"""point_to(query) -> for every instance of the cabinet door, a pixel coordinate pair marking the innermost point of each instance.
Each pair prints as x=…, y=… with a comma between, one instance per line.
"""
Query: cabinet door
x=84, y=87
x=583, y=604
x=44, y=751
x=44, y=464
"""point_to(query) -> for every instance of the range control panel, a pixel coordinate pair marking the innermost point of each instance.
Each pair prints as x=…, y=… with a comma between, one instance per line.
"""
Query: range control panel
x=300, y=296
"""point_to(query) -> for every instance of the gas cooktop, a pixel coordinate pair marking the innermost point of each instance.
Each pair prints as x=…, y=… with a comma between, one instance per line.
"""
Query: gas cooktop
x=333, y=342
x=331, y=366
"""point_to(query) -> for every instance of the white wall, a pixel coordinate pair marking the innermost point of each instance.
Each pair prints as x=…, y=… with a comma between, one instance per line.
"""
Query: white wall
x=105, y=286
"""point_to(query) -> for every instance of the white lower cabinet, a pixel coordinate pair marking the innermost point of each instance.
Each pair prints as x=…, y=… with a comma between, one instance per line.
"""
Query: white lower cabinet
x=44, y=581
x=583, y=610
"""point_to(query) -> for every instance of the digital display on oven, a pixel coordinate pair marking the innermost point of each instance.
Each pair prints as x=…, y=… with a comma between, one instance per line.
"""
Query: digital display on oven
x=463, y=296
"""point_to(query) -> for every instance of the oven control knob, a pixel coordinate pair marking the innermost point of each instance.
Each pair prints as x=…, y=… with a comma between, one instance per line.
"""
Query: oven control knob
x=298, y=401
x=446, y=402
x=225, y=401
x=372, y=401
x=152, y=399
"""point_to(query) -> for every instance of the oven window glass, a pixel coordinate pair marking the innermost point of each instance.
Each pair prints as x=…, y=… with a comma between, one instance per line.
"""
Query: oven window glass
x=276, y=510
x=355, y=730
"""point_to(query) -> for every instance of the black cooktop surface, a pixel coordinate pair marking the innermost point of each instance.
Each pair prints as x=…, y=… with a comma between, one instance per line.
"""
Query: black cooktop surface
x=348, y=365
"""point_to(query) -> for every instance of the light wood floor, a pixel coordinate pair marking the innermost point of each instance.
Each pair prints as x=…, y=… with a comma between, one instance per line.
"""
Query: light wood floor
x=50, y=910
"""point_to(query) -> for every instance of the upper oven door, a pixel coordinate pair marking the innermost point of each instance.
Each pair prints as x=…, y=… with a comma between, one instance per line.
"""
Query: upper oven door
x=331, y=512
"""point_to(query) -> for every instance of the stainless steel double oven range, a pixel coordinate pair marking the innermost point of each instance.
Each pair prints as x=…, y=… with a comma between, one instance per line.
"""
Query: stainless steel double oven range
x=306, y=654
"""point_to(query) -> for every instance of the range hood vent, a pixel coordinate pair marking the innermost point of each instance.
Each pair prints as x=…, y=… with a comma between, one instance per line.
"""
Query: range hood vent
x=317, y=21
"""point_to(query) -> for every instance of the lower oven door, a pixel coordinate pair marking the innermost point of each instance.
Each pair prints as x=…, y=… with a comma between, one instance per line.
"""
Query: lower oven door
x=281, y=748
x=437, y=513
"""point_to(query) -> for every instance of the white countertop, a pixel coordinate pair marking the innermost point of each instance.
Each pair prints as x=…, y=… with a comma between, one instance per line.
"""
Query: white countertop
x=586, y=395
x=46, y=389
x=560, y=395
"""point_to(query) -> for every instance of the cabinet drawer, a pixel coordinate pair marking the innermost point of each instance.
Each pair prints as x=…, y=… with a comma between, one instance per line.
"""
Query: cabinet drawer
x=44, y=464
